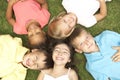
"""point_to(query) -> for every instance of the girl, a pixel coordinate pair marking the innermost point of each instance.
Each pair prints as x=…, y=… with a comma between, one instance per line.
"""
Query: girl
x=81, y=12
x=62, y=56
x=30, y=18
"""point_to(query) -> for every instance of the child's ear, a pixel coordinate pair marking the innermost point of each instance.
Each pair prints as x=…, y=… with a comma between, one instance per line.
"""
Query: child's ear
x=69, y=60
x=79, y=51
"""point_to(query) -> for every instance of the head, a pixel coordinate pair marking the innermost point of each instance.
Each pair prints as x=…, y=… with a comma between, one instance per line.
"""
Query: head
x=82, y=41
x=62, y=26
x=62, y=54
x=36, y=35
x=35, y=59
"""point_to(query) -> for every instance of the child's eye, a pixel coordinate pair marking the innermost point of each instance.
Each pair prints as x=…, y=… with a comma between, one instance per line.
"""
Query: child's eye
x=64, y=21
x=38, y=32
x=65, y=52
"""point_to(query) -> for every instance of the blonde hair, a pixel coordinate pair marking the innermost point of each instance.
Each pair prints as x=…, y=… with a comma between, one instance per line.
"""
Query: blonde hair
x=53, y=27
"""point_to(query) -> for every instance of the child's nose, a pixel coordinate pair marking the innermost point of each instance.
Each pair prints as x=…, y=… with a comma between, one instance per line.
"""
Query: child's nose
x=60, y=53
x=87, y=42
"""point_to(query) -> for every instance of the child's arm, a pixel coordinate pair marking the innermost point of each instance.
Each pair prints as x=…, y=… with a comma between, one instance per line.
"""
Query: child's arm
x=43, y=3
x=9, y=12
x=103, y=10
x=116, y=57
x=73, y=75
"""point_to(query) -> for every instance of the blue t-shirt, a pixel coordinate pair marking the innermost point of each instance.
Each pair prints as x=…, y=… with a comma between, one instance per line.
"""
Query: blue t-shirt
x=100, y=64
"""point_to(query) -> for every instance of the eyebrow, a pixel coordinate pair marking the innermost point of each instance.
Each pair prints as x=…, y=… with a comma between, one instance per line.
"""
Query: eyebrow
x=62, y=49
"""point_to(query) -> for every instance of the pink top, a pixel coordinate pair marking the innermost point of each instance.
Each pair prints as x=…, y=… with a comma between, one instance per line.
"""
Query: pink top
x=27, y=10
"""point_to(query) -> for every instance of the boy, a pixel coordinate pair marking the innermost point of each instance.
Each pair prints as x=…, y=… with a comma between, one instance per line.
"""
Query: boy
x=99, y=52
x=31, y=16
x=14, y=58
x=78, y=12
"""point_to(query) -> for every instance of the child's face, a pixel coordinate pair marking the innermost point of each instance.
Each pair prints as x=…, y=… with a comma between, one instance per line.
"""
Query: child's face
x=84, y=42
x=61, y=54
x=67, y=23
x=34, y=60
x=35, y=34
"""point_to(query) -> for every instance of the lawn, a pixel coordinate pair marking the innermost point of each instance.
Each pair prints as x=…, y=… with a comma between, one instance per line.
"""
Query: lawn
x=111, y=22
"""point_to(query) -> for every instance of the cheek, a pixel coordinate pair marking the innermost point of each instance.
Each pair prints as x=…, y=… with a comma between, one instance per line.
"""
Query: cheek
x=53, y=56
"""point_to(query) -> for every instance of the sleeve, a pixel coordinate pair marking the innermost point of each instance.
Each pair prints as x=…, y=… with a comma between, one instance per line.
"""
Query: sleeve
x=18, y=74
x=87, y=21
x=111, y=37
x=99, y=76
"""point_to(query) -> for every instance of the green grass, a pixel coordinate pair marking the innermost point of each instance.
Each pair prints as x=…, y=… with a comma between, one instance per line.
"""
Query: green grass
x=111, y=22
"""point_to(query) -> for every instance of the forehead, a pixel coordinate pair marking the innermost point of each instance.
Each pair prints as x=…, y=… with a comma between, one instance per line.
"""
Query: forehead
x=38, y=38
x=81, y=36
x=62, y=46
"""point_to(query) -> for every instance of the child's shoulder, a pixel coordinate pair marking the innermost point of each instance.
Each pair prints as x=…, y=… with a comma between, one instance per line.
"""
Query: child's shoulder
x=46, y=71
x=73, y=74
x=109, y=33
x=72, y=71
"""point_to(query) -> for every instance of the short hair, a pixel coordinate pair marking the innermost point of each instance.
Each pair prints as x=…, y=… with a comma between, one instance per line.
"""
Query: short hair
x=77, y=31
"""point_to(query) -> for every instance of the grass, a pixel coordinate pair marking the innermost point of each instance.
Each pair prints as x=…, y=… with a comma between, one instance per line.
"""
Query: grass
x=111, y=22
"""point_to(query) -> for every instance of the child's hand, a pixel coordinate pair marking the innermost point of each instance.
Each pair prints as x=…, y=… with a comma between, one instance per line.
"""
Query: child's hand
x=116, y=56
x=12, y=2
x=101, y=0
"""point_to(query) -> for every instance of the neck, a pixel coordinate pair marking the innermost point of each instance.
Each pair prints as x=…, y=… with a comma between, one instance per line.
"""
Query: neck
x=58, y=70
x=97, y=48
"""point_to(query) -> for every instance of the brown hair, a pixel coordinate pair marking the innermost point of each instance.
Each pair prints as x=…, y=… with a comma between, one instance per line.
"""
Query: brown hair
x=77, y=31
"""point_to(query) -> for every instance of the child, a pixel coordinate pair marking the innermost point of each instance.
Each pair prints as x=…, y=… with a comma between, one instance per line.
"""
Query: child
x=78, y=12
x=62, y=57
x=29, y=15
x=14, y=58
x=98, y=52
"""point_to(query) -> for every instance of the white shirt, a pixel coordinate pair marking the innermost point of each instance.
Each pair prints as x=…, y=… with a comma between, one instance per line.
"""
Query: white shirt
x=63, y=77
x=84, y=10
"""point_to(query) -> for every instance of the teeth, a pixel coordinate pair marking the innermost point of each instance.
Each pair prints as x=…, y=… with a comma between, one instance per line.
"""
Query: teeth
x=59, y=58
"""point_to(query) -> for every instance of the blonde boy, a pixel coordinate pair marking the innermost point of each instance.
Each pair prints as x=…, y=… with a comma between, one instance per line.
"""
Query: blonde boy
x=102, y=62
